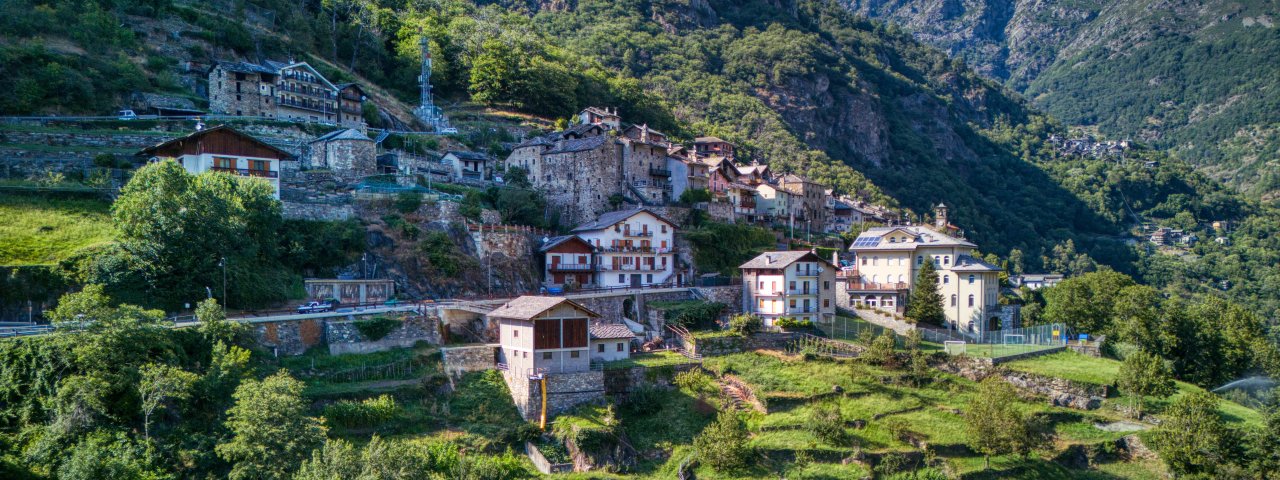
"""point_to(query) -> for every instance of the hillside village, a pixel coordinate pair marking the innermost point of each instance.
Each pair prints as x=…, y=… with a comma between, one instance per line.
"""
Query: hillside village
x=310, y=279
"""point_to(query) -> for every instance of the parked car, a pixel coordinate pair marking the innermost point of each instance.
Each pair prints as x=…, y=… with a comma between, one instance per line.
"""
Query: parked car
x=126, y=115
x=449, y=130
x=315, y=307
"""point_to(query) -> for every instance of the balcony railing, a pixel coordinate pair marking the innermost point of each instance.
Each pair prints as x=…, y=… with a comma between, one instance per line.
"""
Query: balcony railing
x=244, y=172
x=622, y=249
x=807, y=273
x=803, y=310
x=804, y=291
x=641, y=233
x=876, y=287
x=571, y=267
x=303, y=105
x=659, y=172
x=633, y=268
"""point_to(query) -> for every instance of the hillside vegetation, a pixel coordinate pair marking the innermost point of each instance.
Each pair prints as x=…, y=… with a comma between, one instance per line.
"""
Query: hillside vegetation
x=1198, y=78
x=47, y=230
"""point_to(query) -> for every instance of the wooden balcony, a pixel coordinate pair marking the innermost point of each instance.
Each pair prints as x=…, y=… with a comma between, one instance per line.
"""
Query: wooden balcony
x=244, y=172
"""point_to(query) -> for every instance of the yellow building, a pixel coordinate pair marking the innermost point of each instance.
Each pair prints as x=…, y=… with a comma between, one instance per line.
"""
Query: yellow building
x=886, y=260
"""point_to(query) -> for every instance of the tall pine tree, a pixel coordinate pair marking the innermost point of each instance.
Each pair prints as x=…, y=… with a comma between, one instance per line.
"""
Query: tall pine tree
x=926, y=303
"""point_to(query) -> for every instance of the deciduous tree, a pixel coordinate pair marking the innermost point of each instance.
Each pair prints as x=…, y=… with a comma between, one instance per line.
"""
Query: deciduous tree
x=993, y=423
x=1145, y=375
x=271, y=432
x=723, y=444
x=1191, y=438
x=159, y=385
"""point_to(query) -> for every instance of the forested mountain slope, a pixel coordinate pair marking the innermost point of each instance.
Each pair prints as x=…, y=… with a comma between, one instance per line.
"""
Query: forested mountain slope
x=1197, y=77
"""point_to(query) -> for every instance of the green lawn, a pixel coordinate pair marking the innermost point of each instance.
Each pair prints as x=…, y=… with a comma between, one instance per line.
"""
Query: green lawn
x=1104, y=371
x=650, y=359
x=41, y=231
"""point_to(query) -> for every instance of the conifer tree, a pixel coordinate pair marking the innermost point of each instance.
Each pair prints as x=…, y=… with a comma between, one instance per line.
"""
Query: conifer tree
x=925, y=305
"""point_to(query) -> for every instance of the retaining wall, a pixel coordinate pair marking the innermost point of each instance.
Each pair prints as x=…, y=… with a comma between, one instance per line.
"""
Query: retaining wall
x=1058, y=391
x=344, y=337
x=471, y=358
x=564, y=392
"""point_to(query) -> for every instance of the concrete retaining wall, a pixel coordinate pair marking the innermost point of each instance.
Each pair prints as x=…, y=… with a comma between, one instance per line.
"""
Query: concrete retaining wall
x=344, y=337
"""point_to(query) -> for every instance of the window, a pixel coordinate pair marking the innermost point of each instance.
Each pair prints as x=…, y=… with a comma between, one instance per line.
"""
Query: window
x=864, y=261
x=600, y=347
x=664, y=228
x=546, y=355
x=648, y=278
x=574, y=354
x=622, y=278
x=919, y=259
x=971, y=300
x=621, y=346
x=970, y=279
x=793, y=285
x=525, y=354
x=953, y=300
x=515, y=333
x=793, y=303
x=224, y=162
x=946, y=260
x=946, y=279
x=761, y=287
x=875, y=261
x=826, y=285
x=826, y=303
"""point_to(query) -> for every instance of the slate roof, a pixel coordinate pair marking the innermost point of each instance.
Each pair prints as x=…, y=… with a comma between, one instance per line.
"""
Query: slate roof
x=708, y=140
x=968, y=263
x=468, y=155
x=606, y=331
x=925, y=237
x=781, y=259
x=244, y=67
x=528, y=306
x=578, y=144
x=609, y=219
x=343, y=134
x=200, y=133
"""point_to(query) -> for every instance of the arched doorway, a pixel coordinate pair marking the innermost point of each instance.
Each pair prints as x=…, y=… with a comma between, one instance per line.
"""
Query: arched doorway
x=993, y=324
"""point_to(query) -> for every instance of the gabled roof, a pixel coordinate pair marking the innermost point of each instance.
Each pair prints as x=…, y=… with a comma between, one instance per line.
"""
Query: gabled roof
x=555, y=241
x=968, y=263
x=612, y=218
x=708, y=140
x=924, y=237
x=605, y=331
x=526, y=307
x=243, y=67
x=599, y=111
x=578, y=144
x=344, y=86
x=284, y=66
x=195, y=136
x=343, y=134
x=477, y=156
x=783, y=258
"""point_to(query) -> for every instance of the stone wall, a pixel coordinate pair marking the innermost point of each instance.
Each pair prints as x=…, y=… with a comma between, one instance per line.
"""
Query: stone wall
x=513, y=242
x=1058, y=391
x=316, y=211
x=472, y=358
x=344, y=337
x=730, y=295
x=348, y=158
x=613, y=306
x=564, y=392
x=289, y=337
x=626, y=380
x=709, y=347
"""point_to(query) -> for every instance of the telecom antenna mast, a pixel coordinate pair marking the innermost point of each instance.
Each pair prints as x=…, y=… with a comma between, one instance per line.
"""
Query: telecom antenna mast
x=427, y=110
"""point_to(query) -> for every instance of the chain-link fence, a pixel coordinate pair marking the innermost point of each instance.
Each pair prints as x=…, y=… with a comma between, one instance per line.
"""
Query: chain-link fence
x=993, y=344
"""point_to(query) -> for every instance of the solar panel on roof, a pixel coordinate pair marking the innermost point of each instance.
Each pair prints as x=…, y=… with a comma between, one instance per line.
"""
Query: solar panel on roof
x=866, y=241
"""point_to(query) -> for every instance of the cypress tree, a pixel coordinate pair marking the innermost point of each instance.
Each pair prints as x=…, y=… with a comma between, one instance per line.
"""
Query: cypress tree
x=925, y=305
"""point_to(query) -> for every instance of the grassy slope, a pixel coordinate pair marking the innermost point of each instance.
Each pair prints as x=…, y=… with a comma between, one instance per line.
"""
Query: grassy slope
x=1105, y=371
x=790, y=386
x=40, y=230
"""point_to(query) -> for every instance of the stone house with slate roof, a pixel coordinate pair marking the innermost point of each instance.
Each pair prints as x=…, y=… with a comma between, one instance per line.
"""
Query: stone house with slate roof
x=610, y=341
x=283, y=90
x=346, y=152
x=545, y=353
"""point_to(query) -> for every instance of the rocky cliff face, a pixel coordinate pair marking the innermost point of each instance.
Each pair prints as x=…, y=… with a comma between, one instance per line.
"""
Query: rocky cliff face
x=1190, y=76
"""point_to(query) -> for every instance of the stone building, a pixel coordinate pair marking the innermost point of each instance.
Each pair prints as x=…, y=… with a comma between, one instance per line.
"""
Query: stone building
x=810, y=197
x=347, y=153
x=283, y=90
x=242, y=89
x=578, y=170
x=468, y=164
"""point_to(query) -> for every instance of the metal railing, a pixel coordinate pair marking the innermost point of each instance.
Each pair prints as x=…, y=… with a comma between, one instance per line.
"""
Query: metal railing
x=245, y=172
x=571, y=267
x=876, y=287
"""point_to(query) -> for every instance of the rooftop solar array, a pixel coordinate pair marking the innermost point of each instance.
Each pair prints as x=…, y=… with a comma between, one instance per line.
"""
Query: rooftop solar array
x=866, y=241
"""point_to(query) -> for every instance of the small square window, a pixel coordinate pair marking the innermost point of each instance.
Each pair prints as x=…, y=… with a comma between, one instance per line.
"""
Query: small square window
x=600, y=348
x=515, y=333
x=620, y=344
x=574, y=354
x=546, y=355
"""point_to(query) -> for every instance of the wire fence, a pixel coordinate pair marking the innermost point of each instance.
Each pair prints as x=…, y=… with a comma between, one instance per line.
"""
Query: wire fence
x=993, y=344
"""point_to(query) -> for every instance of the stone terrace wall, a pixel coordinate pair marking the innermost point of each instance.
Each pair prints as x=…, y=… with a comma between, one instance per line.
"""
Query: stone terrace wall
x=472, y=358
x=709, y=347
x=344, y=337
x=610, y=307
x=564, y=392
x=290, y=337
x=730, y=295
x=1060, y=392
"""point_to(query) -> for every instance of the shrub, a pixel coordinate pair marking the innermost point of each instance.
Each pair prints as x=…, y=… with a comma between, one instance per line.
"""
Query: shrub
x=723, y=444
x=696, y=381
x=793, y=323
x=881, y=350
x=376, y=328
x=408, y=202
x=745, y=324
x=367, y=413
x=827, y=423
